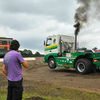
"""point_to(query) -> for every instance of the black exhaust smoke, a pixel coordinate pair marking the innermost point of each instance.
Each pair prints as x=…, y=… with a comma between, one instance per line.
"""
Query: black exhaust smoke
x=85, y=13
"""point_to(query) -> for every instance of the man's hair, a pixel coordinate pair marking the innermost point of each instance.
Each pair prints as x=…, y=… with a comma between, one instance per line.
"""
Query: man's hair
x=14, y=45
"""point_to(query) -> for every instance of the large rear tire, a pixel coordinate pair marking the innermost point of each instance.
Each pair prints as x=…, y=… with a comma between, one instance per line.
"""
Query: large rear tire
x=51, y=63
x=83, y=66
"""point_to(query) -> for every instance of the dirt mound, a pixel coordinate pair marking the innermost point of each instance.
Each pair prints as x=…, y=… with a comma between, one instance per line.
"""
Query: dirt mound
x=35, y=98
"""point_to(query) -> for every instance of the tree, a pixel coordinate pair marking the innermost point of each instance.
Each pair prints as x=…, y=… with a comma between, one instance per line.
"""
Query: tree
x=37, y=54
x=27, y=53
x=95, y=48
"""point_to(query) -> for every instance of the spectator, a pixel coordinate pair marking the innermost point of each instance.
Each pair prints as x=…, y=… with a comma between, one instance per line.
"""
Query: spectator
x=12, y=68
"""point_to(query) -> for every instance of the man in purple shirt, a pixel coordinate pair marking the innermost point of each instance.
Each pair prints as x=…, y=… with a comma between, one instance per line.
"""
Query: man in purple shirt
x=13, y=69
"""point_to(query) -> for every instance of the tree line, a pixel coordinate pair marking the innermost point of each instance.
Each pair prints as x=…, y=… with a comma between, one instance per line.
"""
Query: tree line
x=28, y=53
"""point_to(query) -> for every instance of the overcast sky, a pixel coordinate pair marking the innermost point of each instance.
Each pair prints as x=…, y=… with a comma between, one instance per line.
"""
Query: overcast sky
x=31, y=21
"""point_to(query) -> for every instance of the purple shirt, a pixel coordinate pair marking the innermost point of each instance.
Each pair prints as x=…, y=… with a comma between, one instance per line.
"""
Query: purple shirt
x=13, y=61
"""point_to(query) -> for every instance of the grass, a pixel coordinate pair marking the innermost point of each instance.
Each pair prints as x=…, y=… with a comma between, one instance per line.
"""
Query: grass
x=3, y=93
x=53, y=92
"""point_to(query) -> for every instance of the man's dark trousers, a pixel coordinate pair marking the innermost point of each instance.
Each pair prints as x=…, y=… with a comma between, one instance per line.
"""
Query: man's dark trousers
x=15, y=90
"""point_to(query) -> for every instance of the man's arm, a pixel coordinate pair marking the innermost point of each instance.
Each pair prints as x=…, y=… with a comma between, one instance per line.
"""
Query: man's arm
x=4, y=69
x=25, y=64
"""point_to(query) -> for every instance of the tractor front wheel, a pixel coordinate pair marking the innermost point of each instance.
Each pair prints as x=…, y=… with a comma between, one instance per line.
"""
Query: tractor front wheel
x=51, y=63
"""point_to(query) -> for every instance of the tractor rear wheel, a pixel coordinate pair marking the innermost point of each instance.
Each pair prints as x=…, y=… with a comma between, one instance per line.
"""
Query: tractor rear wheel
x=83, y=66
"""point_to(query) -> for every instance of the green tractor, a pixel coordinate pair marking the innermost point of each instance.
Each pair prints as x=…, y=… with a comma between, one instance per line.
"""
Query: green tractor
x=60, y=52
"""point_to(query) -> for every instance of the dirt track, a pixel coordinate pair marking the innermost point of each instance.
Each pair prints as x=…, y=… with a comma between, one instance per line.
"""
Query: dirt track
x=65, y=77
